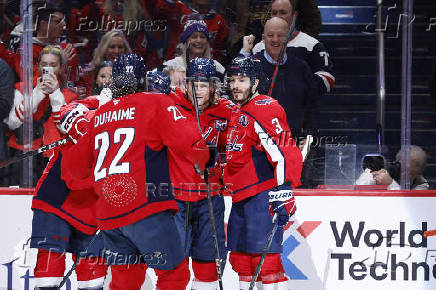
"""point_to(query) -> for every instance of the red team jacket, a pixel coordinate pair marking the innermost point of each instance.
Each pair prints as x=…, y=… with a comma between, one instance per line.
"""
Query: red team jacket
x=53, y=195
x=261, y=153
x=124, y=157
x=188, y=185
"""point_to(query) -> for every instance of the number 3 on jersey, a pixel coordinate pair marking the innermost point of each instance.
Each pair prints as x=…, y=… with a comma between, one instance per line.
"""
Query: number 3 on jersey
x=103, y=143
x=279, y=128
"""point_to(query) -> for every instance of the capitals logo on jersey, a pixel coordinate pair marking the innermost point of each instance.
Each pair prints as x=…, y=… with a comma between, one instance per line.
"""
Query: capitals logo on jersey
x=233, y=145
x=263, y=102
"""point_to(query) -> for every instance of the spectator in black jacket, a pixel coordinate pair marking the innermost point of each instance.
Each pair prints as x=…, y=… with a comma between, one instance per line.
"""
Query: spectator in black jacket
x=302, y=45
x=294, y=86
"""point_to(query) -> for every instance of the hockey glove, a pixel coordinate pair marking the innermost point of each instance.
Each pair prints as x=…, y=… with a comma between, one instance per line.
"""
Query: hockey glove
x=74, y=123
x=282, y=203
x=213, y=155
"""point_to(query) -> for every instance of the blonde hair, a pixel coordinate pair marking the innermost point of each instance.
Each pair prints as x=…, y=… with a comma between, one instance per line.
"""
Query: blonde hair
x=206, y=54
x=100, y=51
x=132, y=9
x=56, y=51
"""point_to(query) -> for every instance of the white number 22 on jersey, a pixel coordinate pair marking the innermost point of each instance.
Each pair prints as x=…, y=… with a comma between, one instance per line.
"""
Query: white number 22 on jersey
x=103, y=142
x=279, y=128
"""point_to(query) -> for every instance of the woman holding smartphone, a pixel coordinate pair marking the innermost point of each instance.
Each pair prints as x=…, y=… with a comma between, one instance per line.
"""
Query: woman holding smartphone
x=48, y=96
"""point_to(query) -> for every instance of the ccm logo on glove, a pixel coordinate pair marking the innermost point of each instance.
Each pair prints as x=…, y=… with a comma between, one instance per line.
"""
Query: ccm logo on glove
x=66, y=126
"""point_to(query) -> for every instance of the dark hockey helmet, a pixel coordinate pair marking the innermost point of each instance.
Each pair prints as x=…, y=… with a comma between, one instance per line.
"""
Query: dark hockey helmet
x=130, y=64
x=201, y=69
x=158, y=81
x=244, y=66
x=128, y=75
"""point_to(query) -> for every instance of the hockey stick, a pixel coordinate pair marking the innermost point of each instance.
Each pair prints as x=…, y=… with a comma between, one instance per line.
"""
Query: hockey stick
x=42, y=149
x=429, y=233
x=206, y=180
x=264, y=252
x=282, y=52
x=212, y=224
x=64, y=280
x=194, y=95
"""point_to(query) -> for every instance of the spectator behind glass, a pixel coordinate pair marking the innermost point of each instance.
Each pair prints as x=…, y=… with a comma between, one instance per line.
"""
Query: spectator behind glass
x=102, y=77
x=176, y=13
x=418, y=161
x=129, y=16
x=294, y=87
x=243, y=23
x=195, y=39
x=112, y=45
x=50, y=24
x=302, y=45
x=48, y=95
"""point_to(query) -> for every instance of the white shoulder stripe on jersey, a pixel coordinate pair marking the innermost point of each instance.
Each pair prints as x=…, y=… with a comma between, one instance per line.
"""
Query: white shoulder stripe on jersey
x=273, y=151
x=48, y=281
x=303, y=40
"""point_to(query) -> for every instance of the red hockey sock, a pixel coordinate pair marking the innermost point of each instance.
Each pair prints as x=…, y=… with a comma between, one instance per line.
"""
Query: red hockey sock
x=127, y=277
x=272, y=269
x=204, y=271
x=176, y=279
x=91, y=272
x=49, y=264
x=50, y=268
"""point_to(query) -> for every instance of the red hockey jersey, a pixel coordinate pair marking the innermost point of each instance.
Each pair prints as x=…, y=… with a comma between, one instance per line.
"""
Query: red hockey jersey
x=188, y=185
x=52, y=195
x=124, y=156
x=261, y=153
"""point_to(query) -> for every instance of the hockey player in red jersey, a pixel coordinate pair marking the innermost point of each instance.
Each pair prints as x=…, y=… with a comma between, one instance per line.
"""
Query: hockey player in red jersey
x=193, y=221
x=64, y=219
x=263, y=165
x=125, y=156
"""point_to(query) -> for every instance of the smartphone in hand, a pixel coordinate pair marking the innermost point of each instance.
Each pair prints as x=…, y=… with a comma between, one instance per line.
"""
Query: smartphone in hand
x=46, y=70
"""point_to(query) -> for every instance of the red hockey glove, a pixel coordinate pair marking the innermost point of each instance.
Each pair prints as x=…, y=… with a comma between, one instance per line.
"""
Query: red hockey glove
x=74, y=124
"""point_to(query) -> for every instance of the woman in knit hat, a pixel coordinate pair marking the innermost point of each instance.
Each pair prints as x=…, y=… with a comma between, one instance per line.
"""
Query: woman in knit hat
x=195, y=39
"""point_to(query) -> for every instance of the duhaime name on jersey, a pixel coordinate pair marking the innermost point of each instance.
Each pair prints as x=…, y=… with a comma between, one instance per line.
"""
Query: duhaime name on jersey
x=399, y=264
x=114, y=116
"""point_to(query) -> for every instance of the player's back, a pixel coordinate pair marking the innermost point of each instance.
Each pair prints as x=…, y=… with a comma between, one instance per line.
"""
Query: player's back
x=130, y=136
